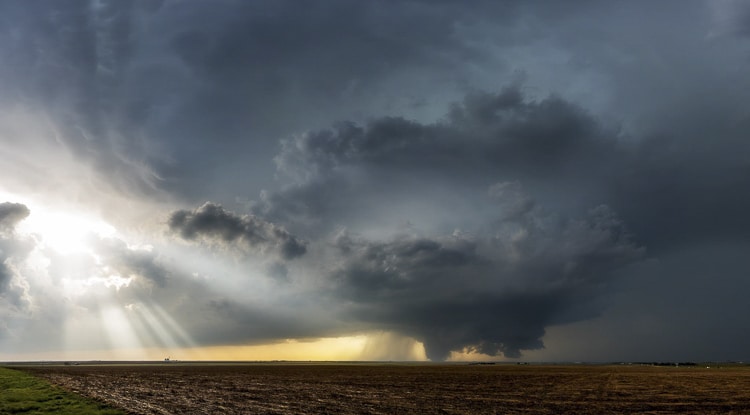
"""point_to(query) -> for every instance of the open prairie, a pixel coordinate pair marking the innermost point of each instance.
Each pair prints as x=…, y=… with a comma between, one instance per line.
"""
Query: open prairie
x=181, y=388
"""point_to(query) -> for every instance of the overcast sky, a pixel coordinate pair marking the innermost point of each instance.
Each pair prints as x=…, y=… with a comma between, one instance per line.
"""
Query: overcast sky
x=270, y=179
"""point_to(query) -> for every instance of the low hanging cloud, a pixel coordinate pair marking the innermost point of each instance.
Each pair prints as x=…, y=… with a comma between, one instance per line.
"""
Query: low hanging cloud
x=523, y=257
x=214, y=224
x=493, y=293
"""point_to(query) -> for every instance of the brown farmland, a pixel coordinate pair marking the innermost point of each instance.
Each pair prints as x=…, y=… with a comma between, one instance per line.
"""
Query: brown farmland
x=178, y=388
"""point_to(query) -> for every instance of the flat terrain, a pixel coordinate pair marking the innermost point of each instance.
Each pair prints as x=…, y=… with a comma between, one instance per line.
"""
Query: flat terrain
x=21, y=393
x=177, y=388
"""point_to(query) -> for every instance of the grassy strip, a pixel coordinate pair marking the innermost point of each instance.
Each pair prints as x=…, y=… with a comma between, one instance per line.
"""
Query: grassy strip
x=21, y=393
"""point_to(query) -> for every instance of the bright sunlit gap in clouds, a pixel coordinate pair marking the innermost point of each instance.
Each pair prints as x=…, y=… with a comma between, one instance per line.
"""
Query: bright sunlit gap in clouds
x=71, y=237
x=65, y=232
x=69, y=250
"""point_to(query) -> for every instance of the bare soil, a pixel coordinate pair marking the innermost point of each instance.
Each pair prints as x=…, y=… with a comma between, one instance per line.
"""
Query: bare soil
x=407, y=388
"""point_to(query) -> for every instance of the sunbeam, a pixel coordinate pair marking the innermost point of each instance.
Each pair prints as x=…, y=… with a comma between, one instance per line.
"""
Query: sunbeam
x=151, y=325
x=172, y=326
x=119, y=330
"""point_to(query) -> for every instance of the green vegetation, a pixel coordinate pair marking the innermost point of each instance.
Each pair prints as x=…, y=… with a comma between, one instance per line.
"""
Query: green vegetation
x=21, y=393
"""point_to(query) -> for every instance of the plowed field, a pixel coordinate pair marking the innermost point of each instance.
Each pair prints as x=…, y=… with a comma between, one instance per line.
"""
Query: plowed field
x=177, y=388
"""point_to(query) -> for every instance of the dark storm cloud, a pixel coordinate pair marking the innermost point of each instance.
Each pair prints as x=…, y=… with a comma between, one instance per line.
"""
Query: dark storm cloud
x=672, y=190
x=640, y=107
x=213, y=223
x=485, y=138
x=494, y=293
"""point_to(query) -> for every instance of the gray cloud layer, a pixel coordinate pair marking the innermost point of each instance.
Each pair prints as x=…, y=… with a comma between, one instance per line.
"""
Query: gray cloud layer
x=484, y=160
x=550, y=142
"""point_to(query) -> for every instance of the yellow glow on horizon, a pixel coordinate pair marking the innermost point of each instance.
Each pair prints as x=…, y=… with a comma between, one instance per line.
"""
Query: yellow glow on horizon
x=338, y=348
x=346, y=348
x=467, y=355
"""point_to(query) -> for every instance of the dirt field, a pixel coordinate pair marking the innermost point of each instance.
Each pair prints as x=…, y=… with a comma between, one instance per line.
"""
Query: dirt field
x=397, y=389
